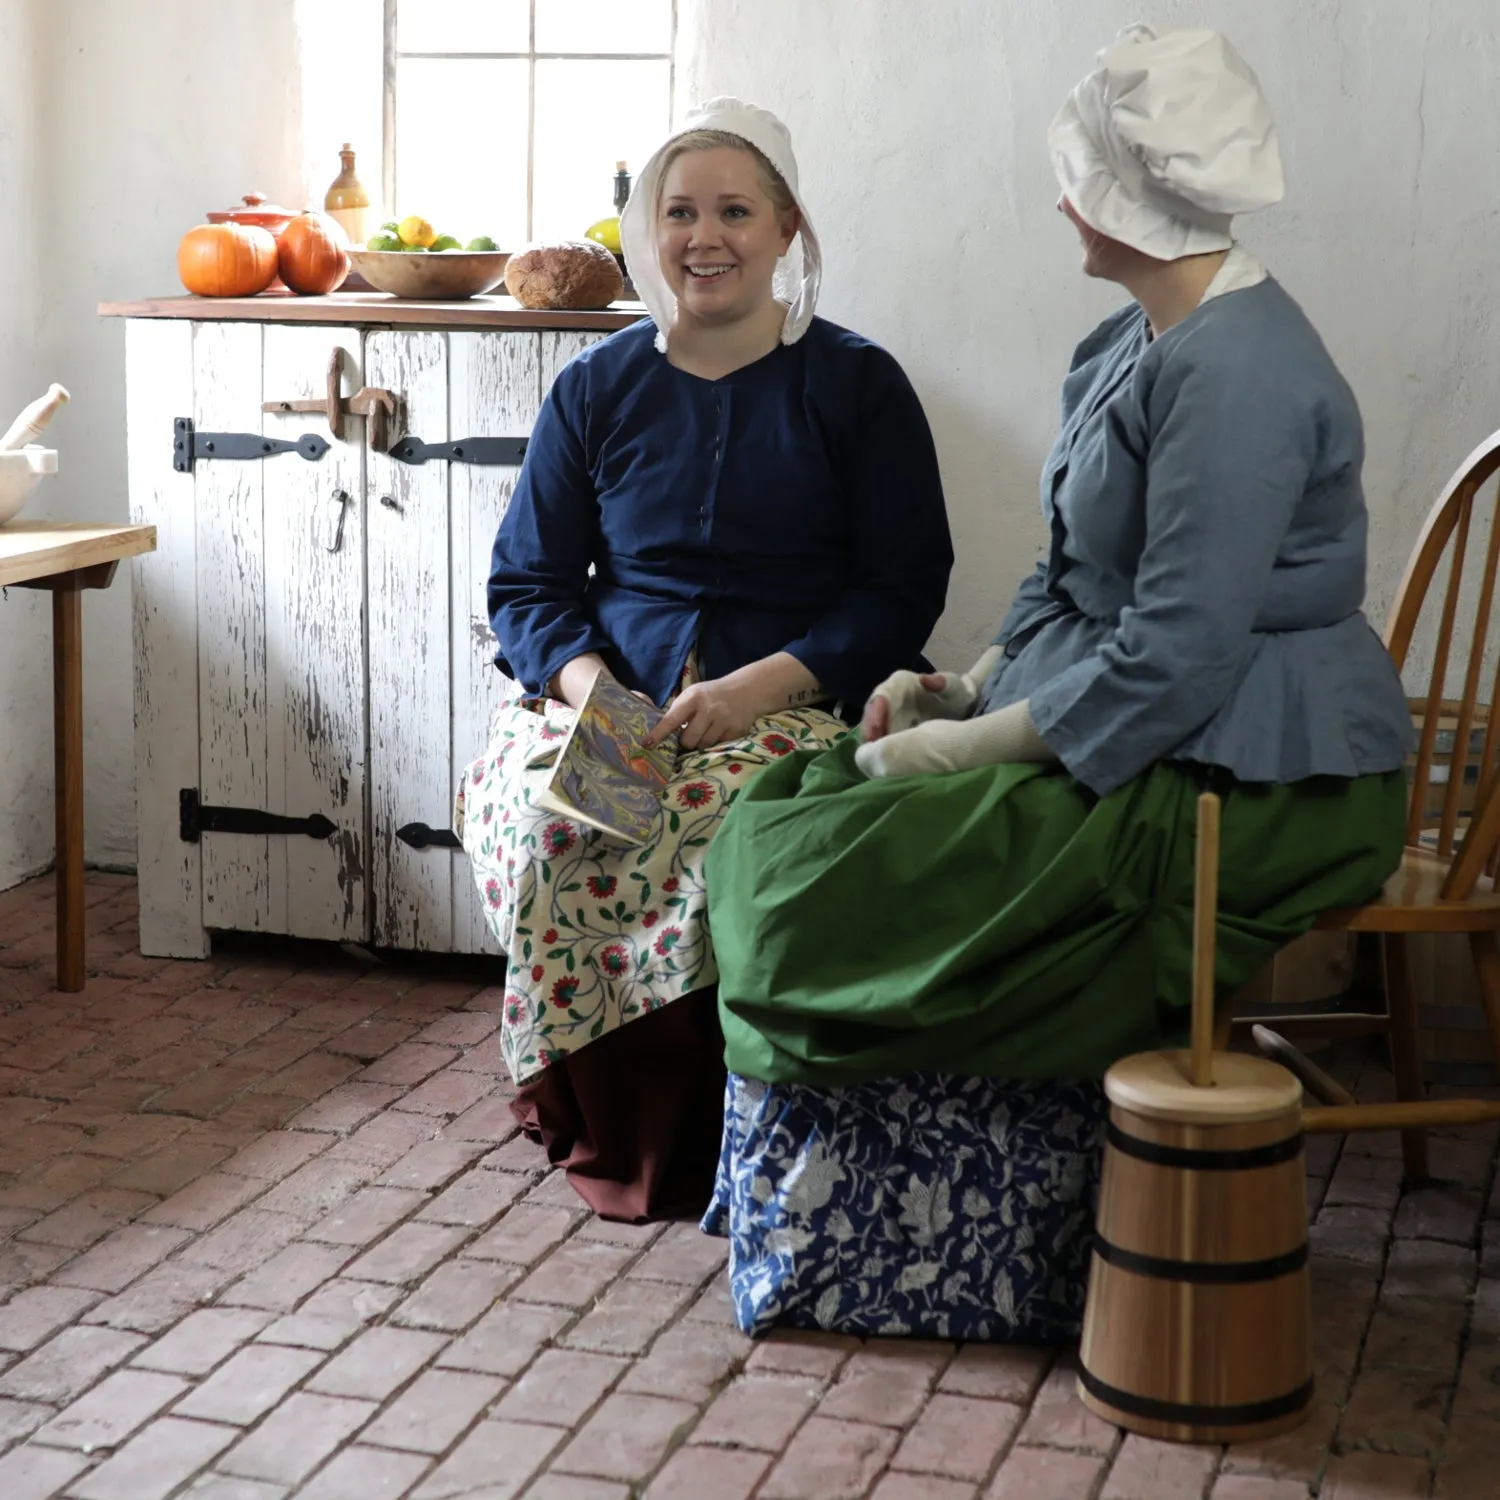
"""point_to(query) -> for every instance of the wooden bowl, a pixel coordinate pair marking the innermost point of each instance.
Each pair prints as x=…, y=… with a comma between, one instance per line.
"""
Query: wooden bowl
x=425, y=275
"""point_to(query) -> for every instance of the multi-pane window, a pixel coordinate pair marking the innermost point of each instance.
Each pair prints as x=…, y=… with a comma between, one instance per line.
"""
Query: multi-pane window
x=506, y=117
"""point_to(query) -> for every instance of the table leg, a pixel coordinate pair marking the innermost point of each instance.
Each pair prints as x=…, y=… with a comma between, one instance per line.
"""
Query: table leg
x=67, y=720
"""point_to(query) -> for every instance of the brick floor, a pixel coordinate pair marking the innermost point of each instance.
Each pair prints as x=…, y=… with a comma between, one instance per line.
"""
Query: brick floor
x=267, y=1231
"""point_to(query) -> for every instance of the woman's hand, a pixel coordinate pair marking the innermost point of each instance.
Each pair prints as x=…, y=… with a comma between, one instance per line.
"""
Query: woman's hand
x=906, y=699
x=938, y=747
x=726, y=708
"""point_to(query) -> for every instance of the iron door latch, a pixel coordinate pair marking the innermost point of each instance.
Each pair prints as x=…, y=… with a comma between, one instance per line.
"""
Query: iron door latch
x=481, y=450
x=189, y=445
x=196, y=818
x=420, y=836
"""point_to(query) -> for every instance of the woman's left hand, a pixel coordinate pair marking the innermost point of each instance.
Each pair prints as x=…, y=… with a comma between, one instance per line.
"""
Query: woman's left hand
x=710, y=713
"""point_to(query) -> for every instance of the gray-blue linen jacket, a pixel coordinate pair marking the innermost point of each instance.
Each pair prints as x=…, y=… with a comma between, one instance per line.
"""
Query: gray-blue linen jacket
x=1200, y=599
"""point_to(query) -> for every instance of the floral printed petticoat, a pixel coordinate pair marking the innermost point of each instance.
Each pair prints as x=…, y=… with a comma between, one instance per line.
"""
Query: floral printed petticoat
x=596, y=932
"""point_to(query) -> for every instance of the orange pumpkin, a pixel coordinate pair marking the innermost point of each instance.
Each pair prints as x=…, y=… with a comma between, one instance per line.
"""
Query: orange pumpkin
x=227, y=260
x=312, y=254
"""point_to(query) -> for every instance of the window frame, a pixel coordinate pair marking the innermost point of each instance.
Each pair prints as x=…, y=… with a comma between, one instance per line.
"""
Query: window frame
x=390, y=56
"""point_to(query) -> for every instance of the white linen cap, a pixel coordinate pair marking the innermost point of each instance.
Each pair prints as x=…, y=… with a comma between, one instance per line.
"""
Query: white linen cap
x=1167, y=139
x=800, y=271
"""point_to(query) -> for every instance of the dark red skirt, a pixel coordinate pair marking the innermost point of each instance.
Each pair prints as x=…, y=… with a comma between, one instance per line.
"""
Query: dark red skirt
x=636, y=1118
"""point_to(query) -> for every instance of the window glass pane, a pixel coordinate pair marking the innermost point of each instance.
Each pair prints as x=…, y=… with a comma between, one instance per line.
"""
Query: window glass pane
x=463, y=25
x=604, y=25
x=589, y=115
x=461, y=146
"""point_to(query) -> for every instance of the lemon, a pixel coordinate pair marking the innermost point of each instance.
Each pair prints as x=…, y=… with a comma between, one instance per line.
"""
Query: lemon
x=416, y=231
x=607, y=233
x=481, y=242
x=444, y=242
x=383, y=241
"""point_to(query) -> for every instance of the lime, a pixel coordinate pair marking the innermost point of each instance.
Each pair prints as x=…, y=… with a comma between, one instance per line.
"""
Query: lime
x=481, y=242
x=445, y=242
x=390, y=226
x=383, y=241
x=416, y=231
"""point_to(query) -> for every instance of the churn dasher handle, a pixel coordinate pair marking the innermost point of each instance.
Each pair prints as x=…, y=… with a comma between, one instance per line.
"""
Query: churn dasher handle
x=1205, y=915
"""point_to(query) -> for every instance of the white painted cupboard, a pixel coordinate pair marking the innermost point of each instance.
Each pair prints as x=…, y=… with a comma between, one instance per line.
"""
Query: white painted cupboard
x=313, y=658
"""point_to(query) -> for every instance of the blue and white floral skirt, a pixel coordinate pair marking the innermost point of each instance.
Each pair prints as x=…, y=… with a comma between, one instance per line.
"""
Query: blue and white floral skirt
x=926, y=1205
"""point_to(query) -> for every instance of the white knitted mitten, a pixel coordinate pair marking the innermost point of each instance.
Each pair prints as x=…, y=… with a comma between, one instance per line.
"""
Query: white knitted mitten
x=911, y=704
x=942, y=745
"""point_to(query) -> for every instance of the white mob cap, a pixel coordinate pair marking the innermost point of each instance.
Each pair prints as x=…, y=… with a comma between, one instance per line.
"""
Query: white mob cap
x=1165, y=141
x=800, y=272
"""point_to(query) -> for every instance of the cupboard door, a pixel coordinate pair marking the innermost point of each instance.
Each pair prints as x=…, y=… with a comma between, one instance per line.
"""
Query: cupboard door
x=409, y=658
x=495, y=390
x=317, y=751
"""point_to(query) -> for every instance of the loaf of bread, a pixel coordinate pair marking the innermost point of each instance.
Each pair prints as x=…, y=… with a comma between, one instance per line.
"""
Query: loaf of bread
x=572, y=273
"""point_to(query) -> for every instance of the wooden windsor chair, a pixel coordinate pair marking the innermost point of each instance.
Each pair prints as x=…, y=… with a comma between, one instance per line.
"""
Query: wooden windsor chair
x=1446, y=882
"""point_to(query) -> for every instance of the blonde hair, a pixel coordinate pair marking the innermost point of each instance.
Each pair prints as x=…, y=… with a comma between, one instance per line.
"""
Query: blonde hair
x=713, y=140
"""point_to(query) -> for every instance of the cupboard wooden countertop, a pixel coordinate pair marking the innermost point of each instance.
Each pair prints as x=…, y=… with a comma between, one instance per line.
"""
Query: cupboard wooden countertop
x=39, y=549
x=376, y=310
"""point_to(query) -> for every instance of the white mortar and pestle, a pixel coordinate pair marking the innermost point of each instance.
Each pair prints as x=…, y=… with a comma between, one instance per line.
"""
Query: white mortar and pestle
x=23, y=460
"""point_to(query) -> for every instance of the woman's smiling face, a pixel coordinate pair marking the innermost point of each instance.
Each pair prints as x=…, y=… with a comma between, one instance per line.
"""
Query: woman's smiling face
x=718, y=235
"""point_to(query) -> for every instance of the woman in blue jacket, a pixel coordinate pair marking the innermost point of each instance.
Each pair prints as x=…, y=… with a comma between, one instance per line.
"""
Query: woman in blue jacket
x=734, y=508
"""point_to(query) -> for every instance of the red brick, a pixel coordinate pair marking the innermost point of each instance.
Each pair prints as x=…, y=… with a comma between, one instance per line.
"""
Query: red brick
x=366, y=1216
x=637, y=1237
x=289, y=1276
x=830, y=1459
x=792, y=1352
x=552, y=1191
x=451, y=1092
x=504, y=1341
x=434, y=1411
x=153, y=1464
x=254, y=1381
x=376, y=1363
x=369, y=1473
x=1257, y=1487
x=574, y=1275
x=576, y=1487
x=407, y=1253
x=959, y=1437
x=110, y=1412
x=58, y=1181
x=683, y=1255
x=257, y=1112
x=1374, y=1476
x=525, y=1235
x=696, y=1473
x=37, y=1473
x=1058, y=1419
x=206, y=1094
x=205, y=1202
x=296, y=1438
x=34, y=1314
x=1366, y=1182
x=68, y=1364
x=626, y=1438
x=46, y=1048
x=36, y=1142
x=243, y=1025
x=474, y=1200
x=380, y=1142
x=161, y=1297
x=454, y=1295
x=885, y=1384
x=508, y=1452
x=996, y=1372
x=316, y=1189
x=688, y=1362
x=1396, y=1411
x=432, y=1164
x=1420, y=1333
x=369, y=1040
x=276, y=1154
x=628, y=1317
x=1145, y=1469
x=518, y=1154
x=173, y=1167
x=21, y=1263
x=1357, y=1234
x=759, y=1411
x=202, y=1340
x=488, y=1120
x=313, y=1331
x=345, y=1107
x=1045, y=1474
x=247, y=1240
x=1469, y=1459
x=560, y=1388
x=19, y=1419
x=1441, y=1212
x=466, y=1029
x=714, y=1307
x=408, y=1064
x=1298, y=1455
x=358, y=1301
x=922, y=1487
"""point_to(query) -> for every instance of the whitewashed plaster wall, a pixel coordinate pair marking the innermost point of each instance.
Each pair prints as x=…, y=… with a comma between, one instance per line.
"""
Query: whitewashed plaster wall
x=920, y=132
x=131, y=120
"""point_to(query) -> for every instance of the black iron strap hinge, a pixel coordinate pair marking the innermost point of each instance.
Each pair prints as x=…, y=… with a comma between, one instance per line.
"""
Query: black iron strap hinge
x=420, y=836
x=197, y=819
x=481, y=450
x=189, y=445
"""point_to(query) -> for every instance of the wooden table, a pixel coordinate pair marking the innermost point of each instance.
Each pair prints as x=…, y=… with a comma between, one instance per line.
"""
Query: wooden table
x=68, y=557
